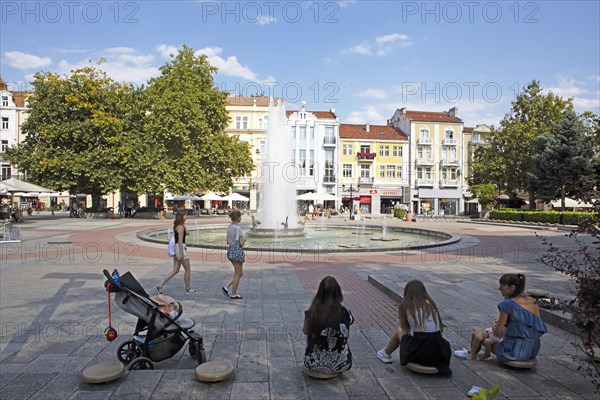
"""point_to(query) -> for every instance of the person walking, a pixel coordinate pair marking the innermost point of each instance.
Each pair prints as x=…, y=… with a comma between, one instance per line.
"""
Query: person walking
x=181, y=255
x=235, y=254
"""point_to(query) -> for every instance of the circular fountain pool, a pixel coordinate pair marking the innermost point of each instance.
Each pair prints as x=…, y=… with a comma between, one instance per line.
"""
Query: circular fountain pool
x=328, y=238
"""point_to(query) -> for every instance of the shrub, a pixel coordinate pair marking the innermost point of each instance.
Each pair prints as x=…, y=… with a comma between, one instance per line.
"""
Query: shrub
x=150, y=209
x=548, y=217
x=399, y=213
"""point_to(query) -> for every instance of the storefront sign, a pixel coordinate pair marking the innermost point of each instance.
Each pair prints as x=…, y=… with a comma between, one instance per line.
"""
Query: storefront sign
x=390, y=192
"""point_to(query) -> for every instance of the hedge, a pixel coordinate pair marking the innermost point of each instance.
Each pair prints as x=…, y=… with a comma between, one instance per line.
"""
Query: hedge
x=548, y=217
x=399, y=213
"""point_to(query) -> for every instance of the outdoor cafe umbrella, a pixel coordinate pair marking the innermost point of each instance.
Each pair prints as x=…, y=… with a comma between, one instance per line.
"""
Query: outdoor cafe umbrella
x=17, y=185
x=184, y=197
x=210, y=196
x=235, y=197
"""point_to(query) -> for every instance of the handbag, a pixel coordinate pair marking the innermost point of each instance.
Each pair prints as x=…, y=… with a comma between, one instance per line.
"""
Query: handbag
x=171, y=247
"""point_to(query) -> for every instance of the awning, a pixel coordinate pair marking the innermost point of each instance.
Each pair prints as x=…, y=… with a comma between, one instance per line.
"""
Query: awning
x=365, y=200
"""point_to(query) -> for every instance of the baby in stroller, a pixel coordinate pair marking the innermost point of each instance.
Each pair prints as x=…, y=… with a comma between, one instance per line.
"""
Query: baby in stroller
x=158, y=334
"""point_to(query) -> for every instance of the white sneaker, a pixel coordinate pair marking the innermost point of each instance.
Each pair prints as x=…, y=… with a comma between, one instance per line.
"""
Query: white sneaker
x=474, y=389
x=383, y=356
x=462, y=354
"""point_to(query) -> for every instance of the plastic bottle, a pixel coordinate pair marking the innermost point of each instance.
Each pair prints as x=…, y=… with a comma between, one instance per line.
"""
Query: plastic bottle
x=116, y=277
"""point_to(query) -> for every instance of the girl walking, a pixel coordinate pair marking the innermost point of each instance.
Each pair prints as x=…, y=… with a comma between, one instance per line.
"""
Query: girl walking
x=181, y=254
x=420, y=333
x=235, y=254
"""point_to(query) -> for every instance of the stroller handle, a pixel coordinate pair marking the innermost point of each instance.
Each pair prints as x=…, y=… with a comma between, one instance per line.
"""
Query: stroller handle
x=110, y=278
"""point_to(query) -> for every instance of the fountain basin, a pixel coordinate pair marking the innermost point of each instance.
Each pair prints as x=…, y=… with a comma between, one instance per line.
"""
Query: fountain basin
x=274, y=233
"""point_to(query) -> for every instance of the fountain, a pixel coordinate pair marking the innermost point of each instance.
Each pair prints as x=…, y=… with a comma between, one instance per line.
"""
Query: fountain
x=277, y=205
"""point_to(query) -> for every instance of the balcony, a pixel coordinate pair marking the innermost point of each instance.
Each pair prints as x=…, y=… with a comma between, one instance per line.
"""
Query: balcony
x=450, y=162
x=449, y=183
x=424, y=182
x=424, y=140
x=329, y=180
x=425, y=161
x=366, y=156
x=329, y=141
x=366, y=180
x=476, y=141
x=450, y=142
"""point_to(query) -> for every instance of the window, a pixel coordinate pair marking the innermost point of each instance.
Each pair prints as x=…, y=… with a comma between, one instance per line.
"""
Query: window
x=263, y=146
x=476, y=137
x=424, y=173
x=303, y=132
x=311, y=132
x=347, y=149
x=311, y=163
x=5, y=172
x=329, y=163
x=293, y=131
x=384, y=151
x=347, y=170
x=329, y=131
x=4, y=122
x=365, y=148
x=449, y=174
x=382, y=171
x=424, y=152
x=302, y=162
x=3, y=146
x=397, y=151
x=449, y=153
x=398, y=171
x=424, y=133
x=241, y=122
x=365, y=171
x=4, y=101
x=391, y=171
x=449, y=134
x=265, y=123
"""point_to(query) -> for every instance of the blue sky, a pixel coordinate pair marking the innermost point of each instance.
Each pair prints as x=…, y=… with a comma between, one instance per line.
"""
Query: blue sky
x=363, y=58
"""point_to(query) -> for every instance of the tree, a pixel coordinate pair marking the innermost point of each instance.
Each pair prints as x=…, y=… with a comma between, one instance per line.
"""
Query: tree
x=484, y=193
x=509, y=153
x=185, y=143
x=563, y=162
x=75, y=136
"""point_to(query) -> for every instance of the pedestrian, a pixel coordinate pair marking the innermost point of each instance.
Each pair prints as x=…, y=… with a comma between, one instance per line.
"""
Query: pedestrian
x=420, y=333
x=120, y=209
x=181, y=257
x=327, y=329
x=235, y=254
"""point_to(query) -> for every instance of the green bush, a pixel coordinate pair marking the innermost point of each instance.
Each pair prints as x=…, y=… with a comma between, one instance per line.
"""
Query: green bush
x=150, y=209
x=399, y=214
x=547, y=217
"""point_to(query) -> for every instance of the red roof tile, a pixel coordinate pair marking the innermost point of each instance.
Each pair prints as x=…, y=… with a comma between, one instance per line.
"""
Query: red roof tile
x=467, y=130
x=376, y=132
x=430, y=116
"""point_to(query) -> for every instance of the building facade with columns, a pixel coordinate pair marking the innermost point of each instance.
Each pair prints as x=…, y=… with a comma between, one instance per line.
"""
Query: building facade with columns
x=372, y=171
x=13, y=112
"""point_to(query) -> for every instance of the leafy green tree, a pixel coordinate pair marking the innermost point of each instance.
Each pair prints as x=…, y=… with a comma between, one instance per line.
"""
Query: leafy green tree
x=509, y=153
x=484, y=193
x=75, y=132
x=185, y=144
x=563, y=162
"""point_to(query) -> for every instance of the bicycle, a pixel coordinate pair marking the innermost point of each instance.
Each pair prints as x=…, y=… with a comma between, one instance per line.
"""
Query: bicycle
x=79, y=213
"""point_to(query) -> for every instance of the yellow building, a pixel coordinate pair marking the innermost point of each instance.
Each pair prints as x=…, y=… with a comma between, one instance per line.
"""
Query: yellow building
x=371, y=167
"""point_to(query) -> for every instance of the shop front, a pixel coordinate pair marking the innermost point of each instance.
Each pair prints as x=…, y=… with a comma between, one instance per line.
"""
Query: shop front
x=437, y=202
x=388, y=198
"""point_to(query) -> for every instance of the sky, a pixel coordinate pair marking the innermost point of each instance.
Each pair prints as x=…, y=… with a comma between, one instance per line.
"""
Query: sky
x=364, y=59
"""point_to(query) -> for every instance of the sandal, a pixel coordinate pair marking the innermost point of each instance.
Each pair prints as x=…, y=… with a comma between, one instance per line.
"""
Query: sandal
x=236, y=297
x=190, y=291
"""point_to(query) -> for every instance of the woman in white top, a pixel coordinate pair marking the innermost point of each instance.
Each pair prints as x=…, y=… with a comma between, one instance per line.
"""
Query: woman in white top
x=235, y=254
x=420, y=333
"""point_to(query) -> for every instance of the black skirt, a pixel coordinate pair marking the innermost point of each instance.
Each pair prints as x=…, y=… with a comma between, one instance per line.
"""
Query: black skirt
x=428, y=349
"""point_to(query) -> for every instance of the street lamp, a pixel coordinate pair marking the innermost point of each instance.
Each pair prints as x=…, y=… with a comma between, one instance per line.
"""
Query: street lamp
x=351, y=189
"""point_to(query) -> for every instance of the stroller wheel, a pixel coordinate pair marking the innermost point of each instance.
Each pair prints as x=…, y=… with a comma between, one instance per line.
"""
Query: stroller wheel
x=197, y=351
x=141, y=363
x=128, y=351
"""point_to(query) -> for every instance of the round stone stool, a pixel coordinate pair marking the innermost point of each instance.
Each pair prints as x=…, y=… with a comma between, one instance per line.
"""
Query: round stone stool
x=529, y=364
x=214, y=371
x=422, y=369
x=103, y=372
x=537, y=293
x=318, y=375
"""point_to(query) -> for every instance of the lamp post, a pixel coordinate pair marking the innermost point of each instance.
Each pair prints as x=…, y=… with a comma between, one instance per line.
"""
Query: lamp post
x=351, y=189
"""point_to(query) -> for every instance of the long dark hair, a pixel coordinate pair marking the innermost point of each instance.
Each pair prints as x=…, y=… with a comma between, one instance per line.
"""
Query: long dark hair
x=325, y=309
x=419, y=305
x=179, y=218
x=516, y=280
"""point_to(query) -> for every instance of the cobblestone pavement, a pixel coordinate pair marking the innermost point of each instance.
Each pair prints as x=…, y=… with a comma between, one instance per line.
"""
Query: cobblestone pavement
x=53, y=311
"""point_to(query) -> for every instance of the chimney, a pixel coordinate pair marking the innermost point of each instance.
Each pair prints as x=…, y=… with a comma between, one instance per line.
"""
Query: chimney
x=368, y=128
x=453, y=112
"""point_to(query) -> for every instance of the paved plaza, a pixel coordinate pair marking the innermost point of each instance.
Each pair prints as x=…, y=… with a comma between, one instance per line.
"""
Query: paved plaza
x=53, y=311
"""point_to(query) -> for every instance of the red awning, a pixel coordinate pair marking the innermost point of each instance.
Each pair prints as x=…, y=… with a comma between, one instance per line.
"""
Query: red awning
x=365, y=200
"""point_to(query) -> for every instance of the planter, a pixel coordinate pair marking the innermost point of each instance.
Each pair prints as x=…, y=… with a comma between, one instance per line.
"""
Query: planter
x=98, y=215
x=150, y=215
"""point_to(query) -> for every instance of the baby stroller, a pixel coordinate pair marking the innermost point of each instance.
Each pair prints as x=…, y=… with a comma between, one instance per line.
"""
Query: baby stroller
x=157, y=336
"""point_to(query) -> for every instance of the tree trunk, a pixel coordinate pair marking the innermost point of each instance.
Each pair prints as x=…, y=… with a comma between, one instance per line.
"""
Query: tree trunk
x=531, y=200
x=96, y=199
x=563, y=200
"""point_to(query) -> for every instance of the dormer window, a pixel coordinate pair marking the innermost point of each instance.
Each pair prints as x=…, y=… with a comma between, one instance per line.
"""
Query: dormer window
x=424, y=133
x=449, y=134
x=4, y=101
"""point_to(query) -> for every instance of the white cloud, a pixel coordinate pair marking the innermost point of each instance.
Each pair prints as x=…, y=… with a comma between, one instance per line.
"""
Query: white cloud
x=567, y=87
x=362, y=48
x=20, y=60
x=368, y=115
x=230, y=66
x=266, y=19
x=166, y=50
x=383, y=45
x=346, y=3
x=595, y=77
x=374, y=93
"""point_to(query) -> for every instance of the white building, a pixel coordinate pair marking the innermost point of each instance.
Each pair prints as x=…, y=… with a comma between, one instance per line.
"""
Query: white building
x=12, y=114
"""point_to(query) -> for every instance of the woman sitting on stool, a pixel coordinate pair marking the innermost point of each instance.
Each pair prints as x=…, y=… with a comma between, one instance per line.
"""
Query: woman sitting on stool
x=327, y=328
x=420, y=333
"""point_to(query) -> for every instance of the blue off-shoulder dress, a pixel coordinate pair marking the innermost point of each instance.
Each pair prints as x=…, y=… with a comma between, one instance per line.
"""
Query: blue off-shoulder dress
x=523, y=332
